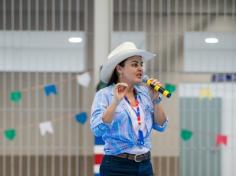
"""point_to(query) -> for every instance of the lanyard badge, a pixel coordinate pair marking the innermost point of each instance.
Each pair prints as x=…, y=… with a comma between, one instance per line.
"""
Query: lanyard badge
x=140, y=137
x=137, y=113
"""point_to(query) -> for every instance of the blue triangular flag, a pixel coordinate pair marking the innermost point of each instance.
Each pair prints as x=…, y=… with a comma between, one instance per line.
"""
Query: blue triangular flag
x=50, y=89
x=81, y=117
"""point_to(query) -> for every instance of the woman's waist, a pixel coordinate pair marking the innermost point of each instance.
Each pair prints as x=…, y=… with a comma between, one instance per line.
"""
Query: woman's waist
x=138, y=149
x=114, y=148
x=132, y=157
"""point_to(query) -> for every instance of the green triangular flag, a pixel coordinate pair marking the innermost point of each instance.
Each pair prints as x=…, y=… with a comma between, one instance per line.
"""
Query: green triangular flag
x=10, y=134
x=170, y=87
x=16, y=96
x=186, y=134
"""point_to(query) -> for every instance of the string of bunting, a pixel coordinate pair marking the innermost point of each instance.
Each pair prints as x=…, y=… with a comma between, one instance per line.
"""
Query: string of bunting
x=44, y=127
x=84, y=80
x=220, y=139
x=50, y=89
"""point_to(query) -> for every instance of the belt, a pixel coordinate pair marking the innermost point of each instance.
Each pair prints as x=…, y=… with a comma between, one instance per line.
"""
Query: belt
x=135, y=157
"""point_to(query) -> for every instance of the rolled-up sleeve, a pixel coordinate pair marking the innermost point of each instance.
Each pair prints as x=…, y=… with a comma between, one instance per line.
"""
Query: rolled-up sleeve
x=99, y=106
x=147, y=101
x=162, y=127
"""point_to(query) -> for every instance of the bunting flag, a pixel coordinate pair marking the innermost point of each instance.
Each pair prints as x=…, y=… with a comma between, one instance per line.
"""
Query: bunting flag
x=46, y=127
x=50, y=89
x=81, y=117
x=84, y=79
x=15, y=96
x=170, y=87
x=10, y=134
x=221, y=139
x=205, y=93
x=98, y=154
x=186, y=134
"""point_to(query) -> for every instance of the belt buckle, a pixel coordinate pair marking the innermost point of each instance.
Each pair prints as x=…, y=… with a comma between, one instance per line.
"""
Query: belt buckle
x=136, y=159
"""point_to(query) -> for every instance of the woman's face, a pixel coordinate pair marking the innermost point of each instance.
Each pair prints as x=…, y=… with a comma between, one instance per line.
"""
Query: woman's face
x=132, y=71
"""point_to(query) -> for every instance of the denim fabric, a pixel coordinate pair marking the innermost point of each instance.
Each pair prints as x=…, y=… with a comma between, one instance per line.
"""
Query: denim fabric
x=115, y=166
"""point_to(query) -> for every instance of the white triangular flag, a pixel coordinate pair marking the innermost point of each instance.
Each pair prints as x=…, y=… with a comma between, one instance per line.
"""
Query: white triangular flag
x=84, y=79
x=45, y=127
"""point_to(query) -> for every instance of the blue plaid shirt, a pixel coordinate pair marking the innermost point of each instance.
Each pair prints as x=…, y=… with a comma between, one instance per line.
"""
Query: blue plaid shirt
x=119, y=134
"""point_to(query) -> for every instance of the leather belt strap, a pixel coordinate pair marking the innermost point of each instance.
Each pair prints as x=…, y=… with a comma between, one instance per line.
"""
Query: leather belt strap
x=136, y=157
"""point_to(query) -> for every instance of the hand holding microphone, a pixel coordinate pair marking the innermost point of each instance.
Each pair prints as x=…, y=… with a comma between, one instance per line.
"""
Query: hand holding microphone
x=156, y=87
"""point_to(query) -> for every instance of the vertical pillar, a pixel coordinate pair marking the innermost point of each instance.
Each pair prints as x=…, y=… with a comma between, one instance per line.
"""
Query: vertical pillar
x=102, y=34
x=103, y=15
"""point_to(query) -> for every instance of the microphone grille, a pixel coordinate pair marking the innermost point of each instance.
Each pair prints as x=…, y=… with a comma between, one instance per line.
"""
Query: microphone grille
x=145, y=78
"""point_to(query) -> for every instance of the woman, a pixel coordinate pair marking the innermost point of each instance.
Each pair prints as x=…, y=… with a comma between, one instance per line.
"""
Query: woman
x=125, y=112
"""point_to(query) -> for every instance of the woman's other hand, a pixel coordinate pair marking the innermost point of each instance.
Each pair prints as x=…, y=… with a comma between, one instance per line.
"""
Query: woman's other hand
x=120, y=91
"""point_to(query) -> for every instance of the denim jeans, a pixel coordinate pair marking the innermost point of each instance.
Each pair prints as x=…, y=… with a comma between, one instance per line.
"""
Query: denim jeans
x=116, y=166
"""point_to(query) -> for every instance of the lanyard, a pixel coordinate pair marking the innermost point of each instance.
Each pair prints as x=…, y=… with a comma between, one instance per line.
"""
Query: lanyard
x=137, y=113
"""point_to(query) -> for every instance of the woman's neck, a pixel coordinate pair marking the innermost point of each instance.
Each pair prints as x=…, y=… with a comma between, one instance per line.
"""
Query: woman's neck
x=131, y=96
x=130, y=89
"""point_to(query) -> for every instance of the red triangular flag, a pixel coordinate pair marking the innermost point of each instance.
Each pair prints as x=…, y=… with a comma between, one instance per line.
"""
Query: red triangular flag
x=221, y=139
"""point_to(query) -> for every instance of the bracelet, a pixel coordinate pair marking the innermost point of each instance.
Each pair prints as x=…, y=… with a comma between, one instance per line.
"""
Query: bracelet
x=157, y=100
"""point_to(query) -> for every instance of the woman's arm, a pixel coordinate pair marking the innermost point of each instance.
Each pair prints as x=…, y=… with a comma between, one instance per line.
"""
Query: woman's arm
x=108, y=114
x=160, y=118
x=102, y=113
x=119, y=91
x=159, y=115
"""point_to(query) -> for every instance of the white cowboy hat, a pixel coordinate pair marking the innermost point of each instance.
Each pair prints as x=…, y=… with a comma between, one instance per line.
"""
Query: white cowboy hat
x=120, y=53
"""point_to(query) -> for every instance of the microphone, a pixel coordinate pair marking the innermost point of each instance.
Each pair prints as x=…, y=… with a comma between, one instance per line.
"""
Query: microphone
x=157, y=88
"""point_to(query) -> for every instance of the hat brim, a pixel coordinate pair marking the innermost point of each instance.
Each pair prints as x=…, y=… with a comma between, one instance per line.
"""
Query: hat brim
x=108, y=68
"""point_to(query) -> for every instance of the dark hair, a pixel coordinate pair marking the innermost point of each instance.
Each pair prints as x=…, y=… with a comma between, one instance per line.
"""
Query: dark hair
x=114, y=76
